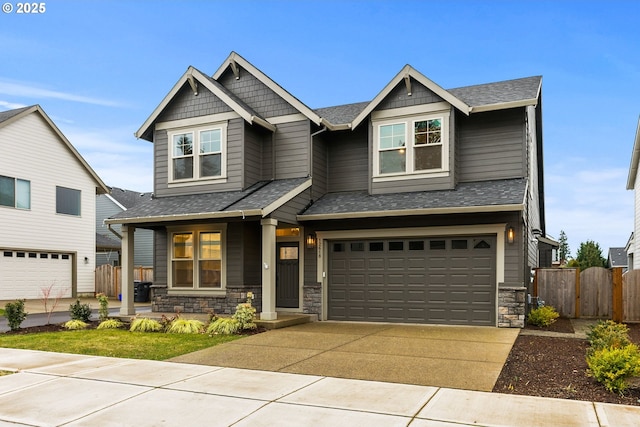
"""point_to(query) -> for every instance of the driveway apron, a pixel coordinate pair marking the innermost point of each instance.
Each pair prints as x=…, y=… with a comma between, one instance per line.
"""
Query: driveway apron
x=461, y=357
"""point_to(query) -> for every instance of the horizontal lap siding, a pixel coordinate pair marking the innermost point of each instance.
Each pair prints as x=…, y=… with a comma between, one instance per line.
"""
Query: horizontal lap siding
x=491, y=145
x=288, y=212
x=320, y=167
x=252, y=156
x=348, y=161
x=160, y=258
x=292, y=150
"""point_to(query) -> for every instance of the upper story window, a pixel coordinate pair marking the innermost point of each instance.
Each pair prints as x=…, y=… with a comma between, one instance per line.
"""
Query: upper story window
x=68, y=201
x=411, y=145
x=15, y=193
x=198, y=154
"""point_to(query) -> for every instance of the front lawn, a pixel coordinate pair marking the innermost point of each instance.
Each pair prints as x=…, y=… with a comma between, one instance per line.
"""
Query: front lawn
x=115, y=343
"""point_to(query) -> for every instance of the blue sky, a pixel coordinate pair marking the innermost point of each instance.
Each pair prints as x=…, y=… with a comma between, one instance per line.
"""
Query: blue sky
x=100, y=68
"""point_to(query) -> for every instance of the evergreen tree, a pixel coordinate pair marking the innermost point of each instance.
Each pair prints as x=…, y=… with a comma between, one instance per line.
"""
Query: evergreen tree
x=563, y=251
x=590, y=255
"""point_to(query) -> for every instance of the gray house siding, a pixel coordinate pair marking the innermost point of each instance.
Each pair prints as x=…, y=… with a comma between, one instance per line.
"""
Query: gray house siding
x=292, y=150
x=491, y=145
x=287, y=213
x=160, y=258
x=256, y=94
x=253, y=156
x=398, y=97
x=186, y=105
x=320, y=166
x=349, y=161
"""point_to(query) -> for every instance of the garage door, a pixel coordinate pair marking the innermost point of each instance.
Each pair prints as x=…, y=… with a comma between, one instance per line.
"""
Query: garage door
x=418, y=280
x=24, y=274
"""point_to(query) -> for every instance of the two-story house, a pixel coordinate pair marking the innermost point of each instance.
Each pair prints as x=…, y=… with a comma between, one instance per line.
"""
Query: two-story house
x=47, y=209
x=422, y=205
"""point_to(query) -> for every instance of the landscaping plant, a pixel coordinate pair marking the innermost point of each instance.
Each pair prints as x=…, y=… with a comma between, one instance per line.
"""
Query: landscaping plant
x=103, y=311
x=542, y=316
x=15, y=314
x=75, y=325
x=79, y=311
x=185, y=326
x=613, y=366
x=46, y=298
x=608, y=334
x=224, y=326
x=143, y=324
x=110, y=324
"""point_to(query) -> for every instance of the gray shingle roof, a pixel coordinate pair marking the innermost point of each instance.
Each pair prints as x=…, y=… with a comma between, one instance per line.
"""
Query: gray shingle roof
x=341, y=113
x=618, y=257
x=475, y=194
x=6, y=115
x=258, y=196
x=499, y=92
x=104, y=242
x=128, y=198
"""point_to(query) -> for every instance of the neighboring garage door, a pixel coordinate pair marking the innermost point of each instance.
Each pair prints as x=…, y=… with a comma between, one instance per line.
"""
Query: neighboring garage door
x=448, y=280
x=24, y=274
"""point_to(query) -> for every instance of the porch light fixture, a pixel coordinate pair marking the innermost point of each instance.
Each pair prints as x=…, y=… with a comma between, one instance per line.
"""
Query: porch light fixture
x=311, y=241
x=511, y=234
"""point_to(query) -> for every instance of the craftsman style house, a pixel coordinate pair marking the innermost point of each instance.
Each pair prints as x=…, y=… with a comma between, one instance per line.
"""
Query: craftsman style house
x=423, y=205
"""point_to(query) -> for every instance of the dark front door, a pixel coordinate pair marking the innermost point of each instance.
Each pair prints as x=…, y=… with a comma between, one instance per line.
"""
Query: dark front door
x=287, y=278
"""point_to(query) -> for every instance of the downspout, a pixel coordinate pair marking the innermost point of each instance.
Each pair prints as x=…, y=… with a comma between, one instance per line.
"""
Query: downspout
x=114, y=231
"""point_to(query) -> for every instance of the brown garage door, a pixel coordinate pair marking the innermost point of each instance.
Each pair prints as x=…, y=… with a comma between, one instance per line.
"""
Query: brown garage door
x=448, y=280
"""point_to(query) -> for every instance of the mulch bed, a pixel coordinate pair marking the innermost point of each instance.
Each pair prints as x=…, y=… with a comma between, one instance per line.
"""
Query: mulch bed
x=557, y=367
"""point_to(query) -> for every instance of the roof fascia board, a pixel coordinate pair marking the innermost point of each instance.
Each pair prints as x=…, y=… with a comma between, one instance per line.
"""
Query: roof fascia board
x=409, y=71
x=413, y=212
x=635, y=159
x=505, y=105
x=18, y=116
x=185, y=217
x=285, y=198
x=267, y=81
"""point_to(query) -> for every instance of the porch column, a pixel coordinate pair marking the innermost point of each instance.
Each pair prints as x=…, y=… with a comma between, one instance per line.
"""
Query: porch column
x=268, y=269
x=127, y=308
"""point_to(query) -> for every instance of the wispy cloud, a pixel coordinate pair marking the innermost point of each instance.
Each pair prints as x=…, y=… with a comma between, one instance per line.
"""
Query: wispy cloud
x=10, y=105
x=31, y=90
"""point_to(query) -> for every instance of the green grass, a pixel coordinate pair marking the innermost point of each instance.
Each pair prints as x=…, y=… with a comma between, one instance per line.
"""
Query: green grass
x=115, y=343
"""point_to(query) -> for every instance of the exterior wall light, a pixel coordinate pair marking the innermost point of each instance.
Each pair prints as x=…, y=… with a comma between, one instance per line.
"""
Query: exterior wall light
x=311, y=241
x=511, y=235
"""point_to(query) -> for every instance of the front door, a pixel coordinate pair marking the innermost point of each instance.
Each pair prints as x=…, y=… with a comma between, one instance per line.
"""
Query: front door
x=287, y=275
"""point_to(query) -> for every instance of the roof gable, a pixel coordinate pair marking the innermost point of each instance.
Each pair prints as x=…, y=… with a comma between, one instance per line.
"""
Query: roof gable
x=12, y=116
x=635, y=159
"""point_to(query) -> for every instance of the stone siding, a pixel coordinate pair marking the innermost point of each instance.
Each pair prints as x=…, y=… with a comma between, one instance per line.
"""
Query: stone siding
x=511, y=307
x=164, y=303
x=312, y=299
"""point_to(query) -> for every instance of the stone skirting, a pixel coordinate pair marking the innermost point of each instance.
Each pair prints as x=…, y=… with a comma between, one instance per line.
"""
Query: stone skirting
x=164, y=303
x=511, y=307
x=312, y=299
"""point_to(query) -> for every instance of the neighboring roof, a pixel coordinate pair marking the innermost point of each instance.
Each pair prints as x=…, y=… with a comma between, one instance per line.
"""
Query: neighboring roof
x=260, y=199
x=487, y=196
x=8, y=117
x=104, y=242
x=635, y=158
x=194, y=76
x=127, y=198
x=500, y=95
x=618, y=257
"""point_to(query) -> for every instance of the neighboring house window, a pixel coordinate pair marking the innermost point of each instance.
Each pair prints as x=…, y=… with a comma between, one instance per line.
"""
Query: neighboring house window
x=411, y=146
x=198, y=154
x=15, y=193
x=196, y=260
x=68, y=201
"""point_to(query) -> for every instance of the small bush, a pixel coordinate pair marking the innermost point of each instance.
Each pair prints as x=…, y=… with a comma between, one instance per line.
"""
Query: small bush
x=15, y=314
x=110, y=324
x=144, y=324
x=245, y=315
x=79, y=311
x=103, y=311
x=613, y=366
x=185, y=326
x=543, y=316
x=75, y=324
x=608, y=334
x=224, y=326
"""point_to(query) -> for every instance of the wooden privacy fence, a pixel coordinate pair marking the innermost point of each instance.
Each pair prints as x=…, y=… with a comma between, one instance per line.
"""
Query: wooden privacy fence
x=593, y=293
x=109, y=278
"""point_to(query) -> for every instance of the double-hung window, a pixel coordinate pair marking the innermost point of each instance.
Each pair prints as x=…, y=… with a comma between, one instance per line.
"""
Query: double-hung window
x=197, y=260
x=15, y=193
x=411, y=146
x=198, y=154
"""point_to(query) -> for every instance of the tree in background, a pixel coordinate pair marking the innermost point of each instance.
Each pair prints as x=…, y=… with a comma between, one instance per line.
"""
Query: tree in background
x=590, y=255
x=563, y=250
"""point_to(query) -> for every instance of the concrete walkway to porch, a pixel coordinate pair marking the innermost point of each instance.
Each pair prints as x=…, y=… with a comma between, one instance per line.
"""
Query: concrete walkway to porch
x=459, y=357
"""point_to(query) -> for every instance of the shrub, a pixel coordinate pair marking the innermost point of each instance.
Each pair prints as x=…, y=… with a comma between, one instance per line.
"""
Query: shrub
x=224, y=326
x=245, y=315
x=103, y=311
x=75, y=324
x=15, y=314
x=144, y=324
x=543, y=316
x=613, y=366
x=80, y=311
x=110, y=324
x=185, y=326
x=608, y=334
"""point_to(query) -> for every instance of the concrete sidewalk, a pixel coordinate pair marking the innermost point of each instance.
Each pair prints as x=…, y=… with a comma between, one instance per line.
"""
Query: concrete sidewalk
x=56, y=389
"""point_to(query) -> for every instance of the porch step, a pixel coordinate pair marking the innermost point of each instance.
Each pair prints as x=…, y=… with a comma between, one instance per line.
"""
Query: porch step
x=285, y=320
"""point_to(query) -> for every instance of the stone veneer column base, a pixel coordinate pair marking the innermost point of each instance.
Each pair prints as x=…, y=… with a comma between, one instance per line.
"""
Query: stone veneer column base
x=511, y=307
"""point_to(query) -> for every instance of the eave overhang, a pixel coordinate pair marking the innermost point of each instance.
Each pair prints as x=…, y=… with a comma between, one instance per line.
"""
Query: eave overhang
x=635, y=159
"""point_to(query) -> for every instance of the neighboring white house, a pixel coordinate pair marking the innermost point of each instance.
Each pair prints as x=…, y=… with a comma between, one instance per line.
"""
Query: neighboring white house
x=47, y=209
x=633, y=183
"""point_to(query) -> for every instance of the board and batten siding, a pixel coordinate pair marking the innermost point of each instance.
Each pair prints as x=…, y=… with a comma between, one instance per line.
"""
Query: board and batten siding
x=292, y=150
x=491, y=145
x=46, y=164
x=348, y=161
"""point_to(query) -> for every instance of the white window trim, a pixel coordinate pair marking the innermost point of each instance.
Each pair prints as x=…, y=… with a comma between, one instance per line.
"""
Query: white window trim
x=409, y=122
x=195, y=132
x=196, y=230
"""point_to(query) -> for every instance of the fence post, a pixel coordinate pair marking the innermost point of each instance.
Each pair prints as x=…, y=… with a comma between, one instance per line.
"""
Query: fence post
x=578, y=301
x=617, y=306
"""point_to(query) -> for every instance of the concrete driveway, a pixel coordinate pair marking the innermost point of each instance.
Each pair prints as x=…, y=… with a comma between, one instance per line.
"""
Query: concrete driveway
x=461, y=357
